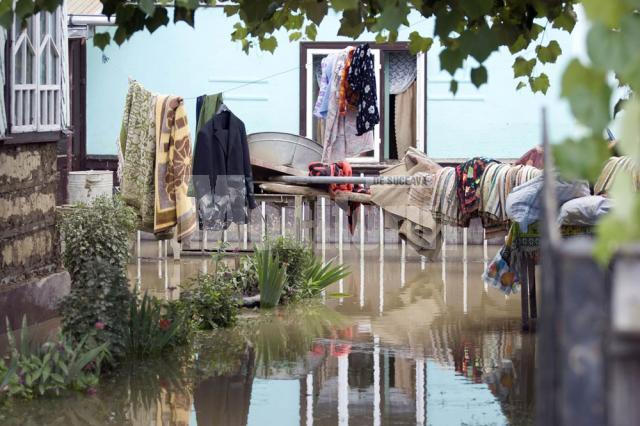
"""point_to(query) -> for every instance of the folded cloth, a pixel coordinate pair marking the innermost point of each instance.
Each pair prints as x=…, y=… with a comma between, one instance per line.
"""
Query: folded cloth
x=421, y=239
x=396, y=201
x=584, y=210
x=524, y=204
x=611, y=169
x=468, y=177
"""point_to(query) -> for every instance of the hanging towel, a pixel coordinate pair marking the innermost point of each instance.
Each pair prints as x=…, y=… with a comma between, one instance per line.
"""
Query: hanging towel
x=468, y=176
x=173, y=169
x=405, y=120
x=322, y=103
x=362, y=80
x=137, y=151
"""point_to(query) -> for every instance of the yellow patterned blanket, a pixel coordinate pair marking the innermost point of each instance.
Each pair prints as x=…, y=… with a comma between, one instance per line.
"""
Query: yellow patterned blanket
x=173, y=169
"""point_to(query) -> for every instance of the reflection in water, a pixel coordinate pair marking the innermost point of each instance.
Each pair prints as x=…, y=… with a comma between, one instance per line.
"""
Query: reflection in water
x=416, y=343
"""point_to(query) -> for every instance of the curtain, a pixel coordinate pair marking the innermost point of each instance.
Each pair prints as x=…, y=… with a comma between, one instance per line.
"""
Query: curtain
x=65, y=107
x=405, y=119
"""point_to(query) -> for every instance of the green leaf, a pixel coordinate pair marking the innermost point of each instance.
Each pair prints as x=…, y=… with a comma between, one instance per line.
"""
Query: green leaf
x=448, y=22
x=269, y=44
x=521, y=85
x=588, y=94
x=392, y=16
x=451, y=60
x=101, y=40
x=147, y=6
x=159, y=19
x=630, y=137
x=417, y=43
x=381, y=38
x=351, y=24
x=311, y=31
x=344, y=4
x=453, y=87
x=566, y=20
x=520, y=44
x=479, y=76
x=522, y=67
x=581, y=159
x=607, y=12
x=550, y=53
x=476, y=8
x=539, y=83
x=296, y=35
x=315, y=10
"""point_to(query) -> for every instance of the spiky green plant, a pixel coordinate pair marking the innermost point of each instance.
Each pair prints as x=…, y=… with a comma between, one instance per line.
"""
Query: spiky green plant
x=271, y=277
x=318, y=276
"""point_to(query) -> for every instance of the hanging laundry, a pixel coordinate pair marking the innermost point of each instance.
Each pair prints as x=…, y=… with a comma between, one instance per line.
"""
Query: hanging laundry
x=322, y=103
x=222, y=172
x=534, y=157
x=206, y=107
x=610, y=171
x=173, y=169
x=340, y=141
x=499, y=273
x=445, y=206
x=405, y=119
x=137, y=153
x=404, y=205
x=340, y=169
x=362, y=80
x=347, y=95
x=468, y=176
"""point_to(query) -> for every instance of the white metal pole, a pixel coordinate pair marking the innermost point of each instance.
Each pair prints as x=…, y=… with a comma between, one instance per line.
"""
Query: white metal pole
x=310, y=399
x=323, y=230
x=263, y=220
x=283, y=222
x=343, y=390
x=403, y=262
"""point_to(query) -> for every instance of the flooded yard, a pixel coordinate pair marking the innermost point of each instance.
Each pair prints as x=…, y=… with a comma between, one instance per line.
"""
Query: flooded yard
x=400, y=341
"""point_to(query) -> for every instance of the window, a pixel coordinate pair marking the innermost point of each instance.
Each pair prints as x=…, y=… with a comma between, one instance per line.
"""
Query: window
x=36, y=74
x=385, y=146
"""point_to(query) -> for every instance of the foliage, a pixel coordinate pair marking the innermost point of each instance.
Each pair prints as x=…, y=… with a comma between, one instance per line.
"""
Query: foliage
x=317, y=276
x=98, y=305
x=50, y=368
x=295, y=257
x=467, y=29
x=612, y=44
x=272, y=277
x=100, y=230
x=96, y=239
x=208, y=301
x=149, y=330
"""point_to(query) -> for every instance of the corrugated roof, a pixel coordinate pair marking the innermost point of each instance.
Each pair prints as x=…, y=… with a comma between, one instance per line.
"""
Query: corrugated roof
x=84, y=7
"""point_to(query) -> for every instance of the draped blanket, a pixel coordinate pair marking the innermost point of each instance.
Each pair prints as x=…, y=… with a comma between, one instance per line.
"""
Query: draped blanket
x=173, y=169
x=137, y=149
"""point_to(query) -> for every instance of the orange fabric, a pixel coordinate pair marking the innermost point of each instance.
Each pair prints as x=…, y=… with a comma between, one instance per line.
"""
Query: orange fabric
x=345, y=95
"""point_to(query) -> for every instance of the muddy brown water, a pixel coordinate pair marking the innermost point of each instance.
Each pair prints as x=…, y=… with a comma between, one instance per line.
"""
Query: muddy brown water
x=401, y=341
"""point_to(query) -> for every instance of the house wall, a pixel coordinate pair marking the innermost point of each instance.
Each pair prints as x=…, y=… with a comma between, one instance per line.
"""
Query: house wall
x=495, y=120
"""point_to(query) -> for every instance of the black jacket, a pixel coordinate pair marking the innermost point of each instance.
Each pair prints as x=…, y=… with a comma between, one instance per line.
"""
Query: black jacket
x=222, y=172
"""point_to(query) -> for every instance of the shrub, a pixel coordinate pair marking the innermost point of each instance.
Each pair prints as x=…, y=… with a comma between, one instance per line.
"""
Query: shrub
x=99, y=303
x=317, y=277
x=96, y=240
x=50, y=368
x=271, y=277
x=208, y=301
x=295, y=257
x=150, y=331
x=100, y=230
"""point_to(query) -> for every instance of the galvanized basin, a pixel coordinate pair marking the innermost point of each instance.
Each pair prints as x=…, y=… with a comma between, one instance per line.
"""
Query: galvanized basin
x=283, y=149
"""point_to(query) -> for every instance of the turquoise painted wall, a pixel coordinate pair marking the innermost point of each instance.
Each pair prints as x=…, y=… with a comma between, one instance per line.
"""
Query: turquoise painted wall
x=495, y=121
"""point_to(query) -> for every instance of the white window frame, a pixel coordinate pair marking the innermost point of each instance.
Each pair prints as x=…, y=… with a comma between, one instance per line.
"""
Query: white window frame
x=41, y=100
x=311, y=102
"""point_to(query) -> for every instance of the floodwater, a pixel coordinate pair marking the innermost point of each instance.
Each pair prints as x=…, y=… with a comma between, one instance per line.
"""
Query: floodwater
x=401, y=341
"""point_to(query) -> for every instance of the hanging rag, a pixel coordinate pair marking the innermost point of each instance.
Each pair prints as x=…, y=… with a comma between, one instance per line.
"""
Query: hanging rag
x=340, y=169
x=322, y=103
x=173, y=207
x=468, y=176
x=402, y=72
x=362, y=80
x=339, y=137
x=445, y=206
x=401, y=206
x=534, y=157
x=405, y=119
x=610, y=171
x=347, y=96
x=137, y=153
